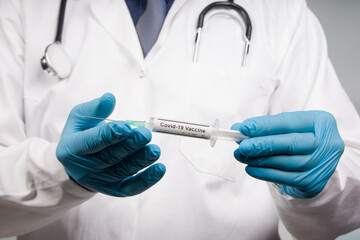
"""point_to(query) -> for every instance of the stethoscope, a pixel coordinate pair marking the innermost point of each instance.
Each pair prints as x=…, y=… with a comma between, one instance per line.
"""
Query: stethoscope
x=56, y=62
x=232, y=6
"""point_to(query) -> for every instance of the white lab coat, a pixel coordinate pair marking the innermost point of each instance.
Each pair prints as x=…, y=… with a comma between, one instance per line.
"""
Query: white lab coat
x=205, y=193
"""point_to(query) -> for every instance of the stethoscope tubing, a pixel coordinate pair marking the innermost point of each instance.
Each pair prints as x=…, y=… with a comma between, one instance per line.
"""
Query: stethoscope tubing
x=231, y=5
x=61, y=19
x=46, y=62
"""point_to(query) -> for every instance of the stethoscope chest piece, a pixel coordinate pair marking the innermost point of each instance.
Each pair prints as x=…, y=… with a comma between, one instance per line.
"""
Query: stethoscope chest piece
x=56, y=61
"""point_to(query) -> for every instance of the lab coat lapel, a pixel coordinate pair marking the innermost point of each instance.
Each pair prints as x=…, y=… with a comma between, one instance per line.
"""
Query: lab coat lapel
x=173, y=10
x=165, y=28
x=115, y=17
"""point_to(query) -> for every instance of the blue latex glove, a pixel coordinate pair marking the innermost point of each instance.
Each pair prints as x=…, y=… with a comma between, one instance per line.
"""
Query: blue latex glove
x=104, y=157
x=297, y=150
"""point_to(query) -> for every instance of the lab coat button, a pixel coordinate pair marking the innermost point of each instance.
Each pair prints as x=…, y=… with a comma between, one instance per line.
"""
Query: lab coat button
x=142, y=74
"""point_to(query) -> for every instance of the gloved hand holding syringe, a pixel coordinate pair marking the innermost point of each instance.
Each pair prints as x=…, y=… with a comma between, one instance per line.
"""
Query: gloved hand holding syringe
x=212, y=133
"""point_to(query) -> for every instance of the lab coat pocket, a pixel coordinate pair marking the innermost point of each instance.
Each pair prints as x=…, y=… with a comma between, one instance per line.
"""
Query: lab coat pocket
x=230, y=95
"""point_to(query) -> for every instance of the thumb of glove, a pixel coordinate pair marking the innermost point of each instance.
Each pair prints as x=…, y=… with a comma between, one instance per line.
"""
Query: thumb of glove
x=100, y=108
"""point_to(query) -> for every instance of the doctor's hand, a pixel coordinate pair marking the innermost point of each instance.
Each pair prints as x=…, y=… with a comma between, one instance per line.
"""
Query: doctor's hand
x=106, y=157
x=297, y=150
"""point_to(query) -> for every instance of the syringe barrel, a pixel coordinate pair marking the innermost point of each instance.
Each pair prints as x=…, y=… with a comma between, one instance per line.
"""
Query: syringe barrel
x=230, y=135
x=180, y=128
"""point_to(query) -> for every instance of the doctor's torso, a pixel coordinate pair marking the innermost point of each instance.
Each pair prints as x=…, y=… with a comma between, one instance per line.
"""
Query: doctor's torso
x=205, y=193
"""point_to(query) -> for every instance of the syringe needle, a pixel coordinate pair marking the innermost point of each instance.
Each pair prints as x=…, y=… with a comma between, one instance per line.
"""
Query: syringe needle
x=131, y=122
x=105, y=119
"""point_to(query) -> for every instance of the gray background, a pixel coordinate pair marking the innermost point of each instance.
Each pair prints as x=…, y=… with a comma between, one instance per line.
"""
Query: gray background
x=341, y=22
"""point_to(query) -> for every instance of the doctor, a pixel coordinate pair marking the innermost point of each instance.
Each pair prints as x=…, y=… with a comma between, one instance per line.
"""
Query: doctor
x=287, y=100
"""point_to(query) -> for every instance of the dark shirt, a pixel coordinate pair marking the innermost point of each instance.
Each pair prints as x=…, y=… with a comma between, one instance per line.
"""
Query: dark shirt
x=137, y=8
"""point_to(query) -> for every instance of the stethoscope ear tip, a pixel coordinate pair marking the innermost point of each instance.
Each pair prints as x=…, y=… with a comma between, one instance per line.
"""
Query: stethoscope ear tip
x=56, y=62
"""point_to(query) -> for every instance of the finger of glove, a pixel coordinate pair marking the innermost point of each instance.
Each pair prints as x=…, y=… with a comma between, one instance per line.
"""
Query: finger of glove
x=287, y=178
x=236, y=126
x=136, y=162
x=114, y=154
x=100, y=107
x=278, y=124
x=129, y=166
x=292, y=143
x=98, y=138
x=283, y=162
x=141, y=182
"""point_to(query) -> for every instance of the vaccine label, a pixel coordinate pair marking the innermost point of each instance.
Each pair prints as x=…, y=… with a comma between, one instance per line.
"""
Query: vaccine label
x=182, y=128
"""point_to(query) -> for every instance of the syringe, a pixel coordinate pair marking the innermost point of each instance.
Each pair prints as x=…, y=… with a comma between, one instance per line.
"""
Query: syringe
x=212, y=133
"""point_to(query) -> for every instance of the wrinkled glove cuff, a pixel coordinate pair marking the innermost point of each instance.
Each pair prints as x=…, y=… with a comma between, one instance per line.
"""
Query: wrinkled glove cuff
x=280, y=191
